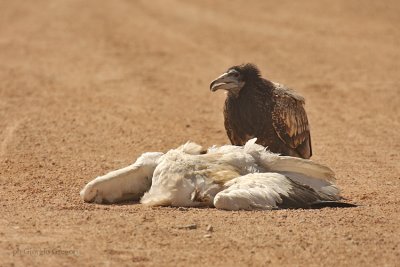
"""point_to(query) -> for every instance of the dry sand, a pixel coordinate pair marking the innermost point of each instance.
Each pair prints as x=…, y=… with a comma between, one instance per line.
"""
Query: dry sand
x=87, y=86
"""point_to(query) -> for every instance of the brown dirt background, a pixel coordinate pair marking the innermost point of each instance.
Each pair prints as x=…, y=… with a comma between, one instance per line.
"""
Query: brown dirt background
x=87, y=86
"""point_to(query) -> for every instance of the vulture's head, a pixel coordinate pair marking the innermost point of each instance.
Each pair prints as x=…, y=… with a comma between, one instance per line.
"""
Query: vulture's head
x=235, y=78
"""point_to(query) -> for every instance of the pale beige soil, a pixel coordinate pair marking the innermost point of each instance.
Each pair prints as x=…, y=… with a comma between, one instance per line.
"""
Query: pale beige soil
x=87, y=86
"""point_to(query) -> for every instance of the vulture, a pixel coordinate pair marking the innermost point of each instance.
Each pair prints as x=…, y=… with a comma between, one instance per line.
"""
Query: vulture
x=271, y=112
x=227, y=177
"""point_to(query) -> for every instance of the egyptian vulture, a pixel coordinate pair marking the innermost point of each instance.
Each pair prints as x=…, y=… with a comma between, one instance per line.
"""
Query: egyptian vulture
x=256, y=107
x=227, y=177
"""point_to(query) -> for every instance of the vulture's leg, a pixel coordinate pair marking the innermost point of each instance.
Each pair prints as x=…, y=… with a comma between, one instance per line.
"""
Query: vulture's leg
x=128, y=183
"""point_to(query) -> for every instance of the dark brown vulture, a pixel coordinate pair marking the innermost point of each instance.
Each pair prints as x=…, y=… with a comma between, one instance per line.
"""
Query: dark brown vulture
x=256, y=107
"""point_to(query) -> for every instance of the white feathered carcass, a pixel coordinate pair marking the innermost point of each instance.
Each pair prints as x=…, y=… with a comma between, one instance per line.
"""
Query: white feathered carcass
x=228, y=177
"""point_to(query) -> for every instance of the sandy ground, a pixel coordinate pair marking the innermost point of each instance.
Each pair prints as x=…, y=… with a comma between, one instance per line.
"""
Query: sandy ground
x=87, y=86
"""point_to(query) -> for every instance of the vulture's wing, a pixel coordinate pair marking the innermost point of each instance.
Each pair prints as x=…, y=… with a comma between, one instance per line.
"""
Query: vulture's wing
x=290, y=121
x=269, y=191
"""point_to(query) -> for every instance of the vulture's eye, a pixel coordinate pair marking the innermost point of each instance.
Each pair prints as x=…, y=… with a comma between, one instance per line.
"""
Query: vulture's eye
x=235, y=74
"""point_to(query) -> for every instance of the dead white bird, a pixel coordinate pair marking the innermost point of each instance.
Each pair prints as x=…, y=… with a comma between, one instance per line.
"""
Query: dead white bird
x=228, y=177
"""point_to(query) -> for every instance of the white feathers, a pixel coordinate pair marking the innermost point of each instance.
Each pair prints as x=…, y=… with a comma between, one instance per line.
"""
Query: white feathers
x=227, y=177
x=191, y=148
x=127, y=183
x=253, y=191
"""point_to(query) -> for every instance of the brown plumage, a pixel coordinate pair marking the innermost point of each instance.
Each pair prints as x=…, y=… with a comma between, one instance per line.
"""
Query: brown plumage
x=256, y=107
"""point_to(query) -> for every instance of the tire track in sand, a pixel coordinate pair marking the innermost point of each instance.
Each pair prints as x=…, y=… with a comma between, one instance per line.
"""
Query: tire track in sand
x=7, y=136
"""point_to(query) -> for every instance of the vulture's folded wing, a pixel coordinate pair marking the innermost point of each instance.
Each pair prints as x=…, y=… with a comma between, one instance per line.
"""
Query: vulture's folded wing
x=266, y=191
x=290, y=122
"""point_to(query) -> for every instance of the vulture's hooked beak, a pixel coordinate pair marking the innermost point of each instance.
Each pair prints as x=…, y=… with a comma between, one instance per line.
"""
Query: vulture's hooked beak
x=226, y=82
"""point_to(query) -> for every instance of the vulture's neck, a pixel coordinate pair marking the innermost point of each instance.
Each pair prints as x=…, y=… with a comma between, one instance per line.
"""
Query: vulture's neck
x=254, y=89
